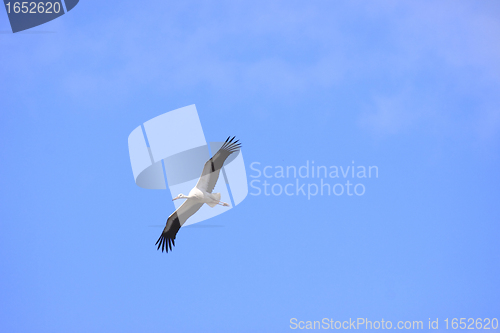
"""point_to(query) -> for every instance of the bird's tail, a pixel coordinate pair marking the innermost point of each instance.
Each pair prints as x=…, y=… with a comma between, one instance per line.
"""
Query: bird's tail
x=216, y=197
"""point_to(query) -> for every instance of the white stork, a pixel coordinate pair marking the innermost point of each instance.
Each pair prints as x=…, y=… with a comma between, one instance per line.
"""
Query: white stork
x=200, y=194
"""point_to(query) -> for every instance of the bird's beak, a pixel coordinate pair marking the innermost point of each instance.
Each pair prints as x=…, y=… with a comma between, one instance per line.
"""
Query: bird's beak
x=175, y=198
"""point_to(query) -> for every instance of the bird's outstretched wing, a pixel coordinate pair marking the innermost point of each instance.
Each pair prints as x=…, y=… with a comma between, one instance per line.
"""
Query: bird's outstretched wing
x=211, y=170
x=174, y=223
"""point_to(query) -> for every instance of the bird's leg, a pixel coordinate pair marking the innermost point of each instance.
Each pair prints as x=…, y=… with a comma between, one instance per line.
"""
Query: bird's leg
x=223, y=204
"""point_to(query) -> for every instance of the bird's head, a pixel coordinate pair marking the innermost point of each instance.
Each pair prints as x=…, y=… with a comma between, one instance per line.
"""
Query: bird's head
x=180, y=196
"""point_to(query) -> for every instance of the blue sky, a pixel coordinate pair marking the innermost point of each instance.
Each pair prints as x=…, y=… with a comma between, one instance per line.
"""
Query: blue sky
x=413, y=88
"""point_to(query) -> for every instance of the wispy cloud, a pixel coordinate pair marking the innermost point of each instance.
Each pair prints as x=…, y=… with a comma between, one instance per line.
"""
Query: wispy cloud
x=280, y=50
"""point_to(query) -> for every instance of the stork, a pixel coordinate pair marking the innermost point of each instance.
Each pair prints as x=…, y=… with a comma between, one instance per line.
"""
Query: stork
x=199, y=195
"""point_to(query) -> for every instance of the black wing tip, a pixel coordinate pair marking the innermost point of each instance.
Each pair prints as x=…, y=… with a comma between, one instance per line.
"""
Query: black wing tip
x=167, y=237
x=165, y=243
x=231, y=146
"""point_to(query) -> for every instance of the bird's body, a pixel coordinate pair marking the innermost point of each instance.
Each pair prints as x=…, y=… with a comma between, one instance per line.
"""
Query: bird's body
x=199, y=195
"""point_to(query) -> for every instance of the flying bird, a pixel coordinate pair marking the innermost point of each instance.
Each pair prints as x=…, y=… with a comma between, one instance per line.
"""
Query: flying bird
x=199, y=195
